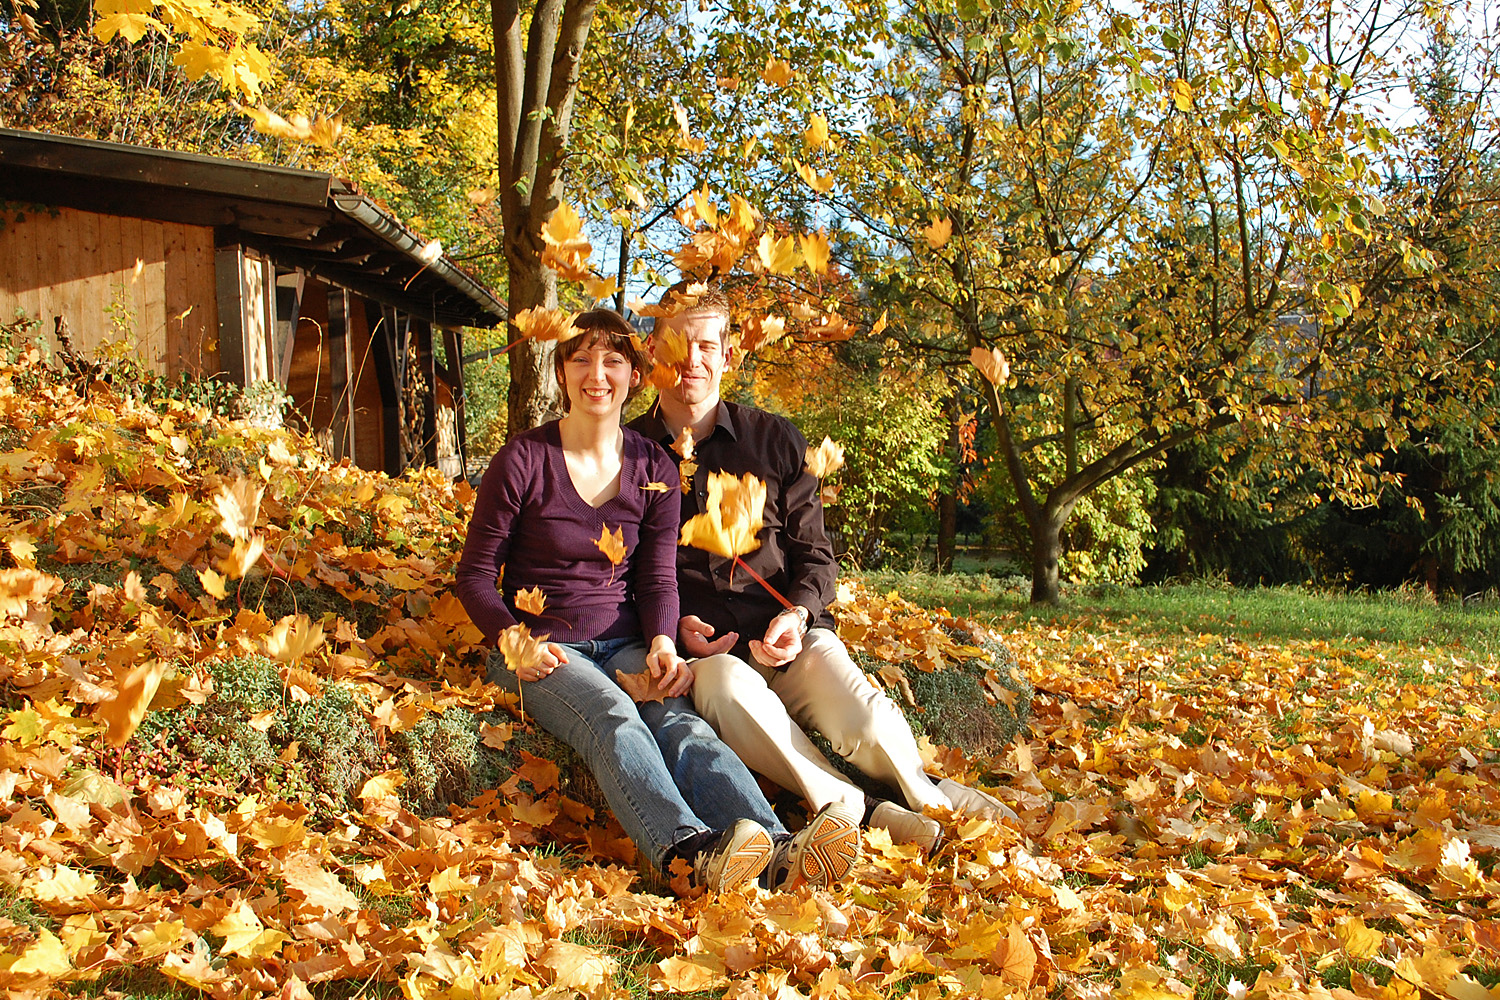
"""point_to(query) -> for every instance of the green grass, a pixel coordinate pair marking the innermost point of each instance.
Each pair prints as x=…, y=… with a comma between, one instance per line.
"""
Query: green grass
x=1266, y=613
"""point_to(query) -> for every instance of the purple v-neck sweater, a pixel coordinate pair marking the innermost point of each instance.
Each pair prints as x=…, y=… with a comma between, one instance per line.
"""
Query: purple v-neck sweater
x=530, y=520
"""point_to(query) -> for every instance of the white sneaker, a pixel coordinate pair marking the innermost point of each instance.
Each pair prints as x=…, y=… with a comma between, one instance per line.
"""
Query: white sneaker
x=976, y=802
x=819, y=854
x=906, y=826
x=739, y=855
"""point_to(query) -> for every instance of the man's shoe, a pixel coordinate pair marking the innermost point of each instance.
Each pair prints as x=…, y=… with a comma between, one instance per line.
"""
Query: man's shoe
x=906, y=826
x=819, y=854
x=738, y=856
x=975, y=802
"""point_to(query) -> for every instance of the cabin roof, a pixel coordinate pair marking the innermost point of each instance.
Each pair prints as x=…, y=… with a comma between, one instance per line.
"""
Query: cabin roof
x=303, y=218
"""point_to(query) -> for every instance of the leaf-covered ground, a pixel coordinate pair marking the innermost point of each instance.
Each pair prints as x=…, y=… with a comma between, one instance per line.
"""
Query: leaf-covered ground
x=242, y=715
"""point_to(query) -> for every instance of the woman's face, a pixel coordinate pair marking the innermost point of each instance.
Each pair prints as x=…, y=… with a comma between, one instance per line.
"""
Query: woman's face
x=598, y=380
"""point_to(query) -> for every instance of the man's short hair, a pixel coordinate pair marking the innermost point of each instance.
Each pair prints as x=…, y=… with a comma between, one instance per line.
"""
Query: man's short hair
x=696, y=298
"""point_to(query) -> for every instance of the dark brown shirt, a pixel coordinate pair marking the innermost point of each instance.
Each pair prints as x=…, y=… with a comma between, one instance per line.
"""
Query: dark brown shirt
x=795, y=555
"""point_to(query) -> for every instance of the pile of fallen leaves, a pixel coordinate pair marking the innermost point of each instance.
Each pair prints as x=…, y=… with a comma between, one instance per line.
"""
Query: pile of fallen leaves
x=1198, y=816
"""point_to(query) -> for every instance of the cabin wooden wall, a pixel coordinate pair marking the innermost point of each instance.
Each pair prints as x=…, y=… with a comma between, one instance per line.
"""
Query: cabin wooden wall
x=105, y=273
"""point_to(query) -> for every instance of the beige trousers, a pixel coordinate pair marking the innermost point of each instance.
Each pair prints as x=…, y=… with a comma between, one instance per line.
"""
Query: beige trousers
x=763, y=715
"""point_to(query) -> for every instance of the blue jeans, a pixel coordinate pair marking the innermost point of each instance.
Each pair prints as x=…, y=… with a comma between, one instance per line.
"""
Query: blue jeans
x=663, y=770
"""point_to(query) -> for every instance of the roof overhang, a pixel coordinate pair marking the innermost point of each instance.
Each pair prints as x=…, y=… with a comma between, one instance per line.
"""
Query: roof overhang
x=304, y=218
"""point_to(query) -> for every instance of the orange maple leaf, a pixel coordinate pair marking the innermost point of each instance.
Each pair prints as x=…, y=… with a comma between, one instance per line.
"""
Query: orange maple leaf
x=641, y=687
x=531, y=601
x=612, y=544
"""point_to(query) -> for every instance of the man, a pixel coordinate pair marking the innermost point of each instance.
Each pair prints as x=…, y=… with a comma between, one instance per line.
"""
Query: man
x=767, y=673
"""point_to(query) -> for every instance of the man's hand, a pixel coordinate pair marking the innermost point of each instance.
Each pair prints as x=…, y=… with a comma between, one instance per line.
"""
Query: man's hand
x=782, y=644
x=694, y=633
x=671, y=671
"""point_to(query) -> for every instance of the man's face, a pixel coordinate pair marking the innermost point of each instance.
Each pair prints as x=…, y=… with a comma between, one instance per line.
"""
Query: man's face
x=707, y=357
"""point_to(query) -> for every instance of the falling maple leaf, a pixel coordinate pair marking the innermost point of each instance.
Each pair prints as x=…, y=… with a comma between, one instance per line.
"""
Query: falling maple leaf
x=669, y=346
x=939, y=232
x=815, y=251
x=779, y=256
x=292, y=638
x=239, y=507
x=520, y=648
x=124, y=712
x=991, y=364
x=683, y=444
x=732, y=517
x=655, y=487
x=826, y=459
x=612, y=544
x=777, y=72
x=542, y=324
x=531, y=601
x=816, y=133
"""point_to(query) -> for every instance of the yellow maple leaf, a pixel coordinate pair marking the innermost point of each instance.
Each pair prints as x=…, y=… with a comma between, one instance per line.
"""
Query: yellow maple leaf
x=239, y=507
x=732, y=517
x=826, y=459
x=757, y=331
x=698, y=974
x=815, y=251
x=577, y=967
x=213, y=583
x=62, y=885
x=245, y=935
x=707, y=210
x=320, y=887
x=777, y=72
x=816, y=133
x=23, y=551
x=612, y=544
x=939, y=232
x=600, y=288
x=821, y=183
x=20, y=587
x=683, y=444
x=879, y=327
x=245, y=554
x=544, y=324
x=655, y=487
x=563, y=226
x=292, y=638
x=382, y=785
x=778, y=256
x=123, y=713
x=1182, y=95
x=158, y=938
x=520, y=648
x=46, y=956
x=663, y=376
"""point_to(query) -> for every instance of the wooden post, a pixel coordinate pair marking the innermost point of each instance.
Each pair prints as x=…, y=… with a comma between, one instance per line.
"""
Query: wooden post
x=341, y=373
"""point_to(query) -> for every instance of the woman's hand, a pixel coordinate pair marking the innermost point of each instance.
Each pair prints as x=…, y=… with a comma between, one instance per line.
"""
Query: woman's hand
x=671, y=671
x=551, y=657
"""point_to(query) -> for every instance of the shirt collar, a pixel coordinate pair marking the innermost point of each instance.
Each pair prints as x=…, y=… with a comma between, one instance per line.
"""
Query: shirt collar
x=723, y=418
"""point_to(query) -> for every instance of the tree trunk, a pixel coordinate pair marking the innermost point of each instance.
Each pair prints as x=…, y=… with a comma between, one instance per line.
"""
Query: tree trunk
x=532, y=398
x=1046, y=559
x=947, y=536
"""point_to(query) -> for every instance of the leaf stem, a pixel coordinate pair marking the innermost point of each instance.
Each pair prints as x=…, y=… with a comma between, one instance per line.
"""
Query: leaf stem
x=760, y=580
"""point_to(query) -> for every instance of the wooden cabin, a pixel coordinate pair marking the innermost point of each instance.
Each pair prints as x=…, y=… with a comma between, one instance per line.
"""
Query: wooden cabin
x=214, y=268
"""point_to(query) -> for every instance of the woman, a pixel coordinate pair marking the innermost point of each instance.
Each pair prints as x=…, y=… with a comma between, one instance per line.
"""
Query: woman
x=586, y=512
